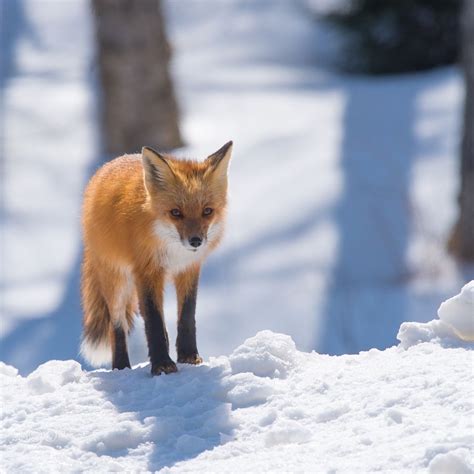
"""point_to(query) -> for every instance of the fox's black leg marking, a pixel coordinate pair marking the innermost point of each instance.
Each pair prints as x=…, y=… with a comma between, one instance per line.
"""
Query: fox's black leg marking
x=119, y=351
x=186, y=346
x=156, y=335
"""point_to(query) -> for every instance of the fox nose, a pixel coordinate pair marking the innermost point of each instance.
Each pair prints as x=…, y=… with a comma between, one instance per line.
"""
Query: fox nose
x=195, y=241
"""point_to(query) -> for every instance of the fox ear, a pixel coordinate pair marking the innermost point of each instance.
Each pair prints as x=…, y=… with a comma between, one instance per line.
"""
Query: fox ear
x=219, y=161
x=156, y=167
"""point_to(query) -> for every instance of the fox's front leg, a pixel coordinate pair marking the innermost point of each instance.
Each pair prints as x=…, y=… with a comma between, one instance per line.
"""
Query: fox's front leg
x=186, y=290
x=151, y=306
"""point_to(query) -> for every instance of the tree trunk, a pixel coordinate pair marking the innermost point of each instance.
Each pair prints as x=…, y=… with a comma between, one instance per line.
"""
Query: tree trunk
x=461, y=243
x=138, y=103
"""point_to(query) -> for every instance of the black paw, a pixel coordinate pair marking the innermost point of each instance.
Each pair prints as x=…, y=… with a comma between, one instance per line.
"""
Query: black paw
x=166, y=367
x=121, y=366
x=194, y=359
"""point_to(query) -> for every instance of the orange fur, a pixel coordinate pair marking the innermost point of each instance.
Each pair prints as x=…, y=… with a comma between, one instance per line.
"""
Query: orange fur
x=131, y=238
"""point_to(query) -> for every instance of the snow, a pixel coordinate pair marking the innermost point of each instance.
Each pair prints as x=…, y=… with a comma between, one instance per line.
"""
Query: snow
x=454, y=326
x=266, y=407
x=343, y=192
x=458, y=312
x=458, y=461
x=273, y=359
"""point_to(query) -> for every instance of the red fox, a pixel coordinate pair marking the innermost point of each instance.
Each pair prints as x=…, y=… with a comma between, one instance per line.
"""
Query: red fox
x=147, y=218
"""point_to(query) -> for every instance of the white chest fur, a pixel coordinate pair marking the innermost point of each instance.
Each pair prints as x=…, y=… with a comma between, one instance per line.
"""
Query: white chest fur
x=174, y=256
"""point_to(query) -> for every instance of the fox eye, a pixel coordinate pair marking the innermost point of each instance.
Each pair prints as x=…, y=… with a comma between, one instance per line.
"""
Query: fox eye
x=207, y=211
x=176, y=213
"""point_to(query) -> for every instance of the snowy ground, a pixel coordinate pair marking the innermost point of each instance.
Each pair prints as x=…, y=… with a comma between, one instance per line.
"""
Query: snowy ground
x=343, y=193
x=265, y=408
x=343, y=188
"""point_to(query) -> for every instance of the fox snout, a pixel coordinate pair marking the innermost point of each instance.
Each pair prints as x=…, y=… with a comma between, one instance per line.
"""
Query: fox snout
x=195, y=241
x=192, y=232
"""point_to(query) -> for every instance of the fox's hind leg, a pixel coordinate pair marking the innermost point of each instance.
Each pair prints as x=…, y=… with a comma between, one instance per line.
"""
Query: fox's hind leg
x=96, y=342
x=120, y=358
x=120, y=294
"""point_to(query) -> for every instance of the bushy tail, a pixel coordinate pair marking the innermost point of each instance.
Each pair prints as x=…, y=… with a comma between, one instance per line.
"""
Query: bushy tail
x=96, y=336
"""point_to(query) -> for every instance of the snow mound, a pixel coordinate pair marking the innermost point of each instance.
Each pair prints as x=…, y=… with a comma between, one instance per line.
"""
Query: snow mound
x=266, y=355
x=287, y=432
x=246, y=390
x=458, y=461
x=458, y=312
x=8, y=370
x=265, y=408
x=455, y=326
x=52, y=375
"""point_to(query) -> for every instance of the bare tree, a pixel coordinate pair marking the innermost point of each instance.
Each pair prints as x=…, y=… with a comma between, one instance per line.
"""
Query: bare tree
x=461, y=243
x=138, y=102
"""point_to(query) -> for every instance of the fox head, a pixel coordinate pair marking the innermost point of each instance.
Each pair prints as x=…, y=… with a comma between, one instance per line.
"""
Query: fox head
x=187, y=198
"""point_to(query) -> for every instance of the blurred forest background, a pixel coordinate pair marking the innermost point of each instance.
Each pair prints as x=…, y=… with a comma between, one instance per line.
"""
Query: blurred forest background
x=352, y=182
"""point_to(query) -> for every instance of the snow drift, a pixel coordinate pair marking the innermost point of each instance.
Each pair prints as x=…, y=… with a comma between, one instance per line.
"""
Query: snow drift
x=265, y=407
x=455, y=323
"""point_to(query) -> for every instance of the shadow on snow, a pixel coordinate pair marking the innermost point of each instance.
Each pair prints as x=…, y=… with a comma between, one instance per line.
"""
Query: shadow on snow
x=186, y=413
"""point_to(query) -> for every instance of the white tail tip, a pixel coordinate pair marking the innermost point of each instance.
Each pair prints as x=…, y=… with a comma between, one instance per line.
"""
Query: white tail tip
x=96, y=354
